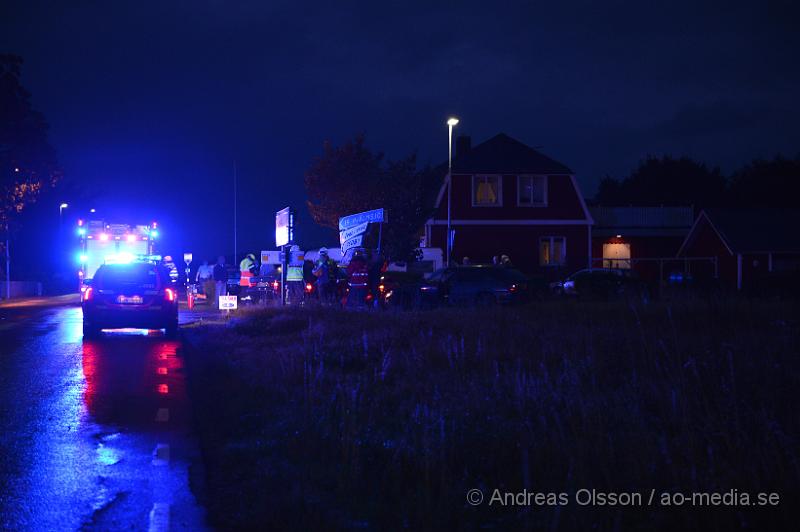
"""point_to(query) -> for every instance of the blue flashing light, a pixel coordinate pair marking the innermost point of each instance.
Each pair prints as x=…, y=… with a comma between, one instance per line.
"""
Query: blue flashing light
x=153, y=233
x=123, y=257
x=81, y=231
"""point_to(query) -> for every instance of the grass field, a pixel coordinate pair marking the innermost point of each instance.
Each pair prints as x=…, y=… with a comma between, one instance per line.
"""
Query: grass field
x=311, y=418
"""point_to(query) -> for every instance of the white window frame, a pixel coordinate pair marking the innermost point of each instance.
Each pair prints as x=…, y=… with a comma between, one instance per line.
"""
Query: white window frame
x=534, y=177
x=499, y=190
x=551, y=239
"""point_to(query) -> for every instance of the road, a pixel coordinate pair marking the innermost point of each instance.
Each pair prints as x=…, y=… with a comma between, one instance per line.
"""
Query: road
x=94, y=435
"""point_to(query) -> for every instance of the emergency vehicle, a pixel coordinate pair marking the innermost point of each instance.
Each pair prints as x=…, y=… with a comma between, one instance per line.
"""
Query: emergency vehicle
x=102, y=242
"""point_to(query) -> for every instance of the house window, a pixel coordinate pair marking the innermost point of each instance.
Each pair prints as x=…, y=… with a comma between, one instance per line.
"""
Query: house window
x=531, y=190
x=552, y=250
x=487, y=191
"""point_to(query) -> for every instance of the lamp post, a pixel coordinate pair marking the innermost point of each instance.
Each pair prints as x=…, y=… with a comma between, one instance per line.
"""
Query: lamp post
x=62, y=246
x=451, y=123
x=8, y=262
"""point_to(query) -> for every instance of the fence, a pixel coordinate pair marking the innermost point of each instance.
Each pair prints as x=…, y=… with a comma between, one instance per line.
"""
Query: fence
x=21, y=289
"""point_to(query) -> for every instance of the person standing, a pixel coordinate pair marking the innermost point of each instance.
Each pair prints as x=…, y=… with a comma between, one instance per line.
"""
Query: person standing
x=247, y=270
x=376, y=267
x=205, y=278
x=220, y=277
x=325, y=273
x=358, y=279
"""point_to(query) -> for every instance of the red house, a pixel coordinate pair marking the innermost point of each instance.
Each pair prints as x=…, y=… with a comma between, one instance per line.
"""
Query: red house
x=509, y=199
x=752, y=246
x=639, y=238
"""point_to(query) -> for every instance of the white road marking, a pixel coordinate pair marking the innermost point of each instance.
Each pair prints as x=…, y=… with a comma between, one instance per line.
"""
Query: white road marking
x=161, y=455
x=159, y=518
x=162, y=416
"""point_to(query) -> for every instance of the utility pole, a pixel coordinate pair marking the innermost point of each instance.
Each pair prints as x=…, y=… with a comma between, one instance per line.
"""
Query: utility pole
x=8, y=262
x=235, y=206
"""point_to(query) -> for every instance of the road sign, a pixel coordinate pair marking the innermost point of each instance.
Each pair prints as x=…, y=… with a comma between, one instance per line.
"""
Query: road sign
x=227, y=302
x=376, y=215
x=356, y=230
x=352, y=243
x=284, y=227
x=271, y=257
x=294, y=273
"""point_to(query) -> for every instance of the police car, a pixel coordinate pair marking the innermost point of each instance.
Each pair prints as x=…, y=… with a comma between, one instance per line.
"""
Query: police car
x=130, y=293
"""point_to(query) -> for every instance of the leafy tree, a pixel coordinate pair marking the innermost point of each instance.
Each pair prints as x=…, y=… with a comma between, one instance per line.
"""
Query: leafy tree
x=27, y=161
x=764, y=183
x=666, y=181
x=352, y=178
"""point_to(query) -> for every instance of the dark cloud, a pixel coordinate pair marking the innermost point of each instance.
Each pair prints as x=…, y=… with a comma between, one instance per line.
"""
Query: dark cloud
x=174, y=91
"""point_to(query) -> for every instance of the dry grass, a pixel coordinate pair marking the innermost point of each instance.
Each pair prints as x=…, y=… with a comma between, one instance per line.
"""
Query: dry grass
x=385, y=420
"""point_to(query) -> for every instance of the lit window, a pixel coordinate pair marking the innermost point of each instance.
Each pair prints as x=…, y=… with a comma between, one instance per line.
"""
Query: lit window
x=552, y=250
x=487, y=191
x=532, y=190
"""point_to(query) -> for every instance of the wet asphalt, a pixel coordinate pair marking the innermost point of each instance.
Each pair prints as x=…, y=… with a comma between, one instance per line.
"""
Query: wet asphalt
x=95, y=434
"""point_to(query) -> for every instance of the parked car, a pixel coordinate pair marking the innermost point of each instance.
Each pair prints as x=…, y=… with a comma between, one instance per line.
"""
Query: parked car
x=601, y=283
x=136, y=294
x=481, y=285
x=397, y=284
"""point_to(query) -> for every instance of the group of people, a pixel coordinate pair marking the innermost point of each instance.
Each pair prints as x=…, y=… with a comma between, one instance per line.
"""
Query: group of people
x=213, y=279
x=362, y=273
x=497, y=260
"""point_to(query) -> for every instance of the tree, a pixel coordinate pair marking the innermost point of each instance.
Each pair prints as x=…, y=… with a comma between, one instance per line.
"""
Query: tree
x=27, y=161
x=666, y=181
x=352, y=178
x=764, y=183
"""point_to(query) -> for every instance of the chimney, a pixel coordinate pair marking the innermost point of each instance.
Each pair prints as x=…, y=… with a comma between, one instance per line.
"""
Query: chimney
x=463, y=145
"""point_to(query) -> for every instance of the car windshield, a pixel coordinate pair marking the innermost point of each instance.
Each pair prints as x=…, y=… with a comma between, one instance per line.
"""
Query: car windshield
x=115, y=276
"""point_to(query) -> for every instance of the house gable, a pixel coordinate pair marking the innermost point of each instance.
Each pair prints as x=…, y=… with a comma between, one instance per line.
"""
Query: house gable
x=509, y=160
x=703, y=238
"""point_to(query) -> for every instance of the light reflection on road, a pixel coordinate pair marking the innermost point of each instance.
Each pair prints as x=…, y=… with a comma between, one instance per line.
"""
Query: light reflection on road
x=90, y=414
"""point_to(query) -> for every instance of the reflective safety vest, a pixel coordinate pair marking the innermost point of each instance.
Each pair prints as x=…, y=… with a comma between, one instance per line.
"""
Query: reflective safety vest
x=244, y=268
x=245, y=278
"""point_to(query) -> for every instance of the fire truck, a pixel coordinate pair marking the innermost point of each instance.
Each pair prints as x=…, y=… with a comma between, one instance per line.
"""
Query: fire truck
x=102, y=242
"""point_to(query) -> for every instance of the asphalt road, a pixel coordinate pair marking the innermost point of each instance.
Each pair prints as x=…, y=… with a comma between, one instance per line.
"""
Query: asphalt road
x=94, y=435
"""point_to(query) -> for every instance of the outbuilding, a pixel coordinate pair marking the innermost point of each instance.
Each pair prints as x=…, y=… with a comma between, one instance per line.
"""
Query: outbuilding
x=752, y=246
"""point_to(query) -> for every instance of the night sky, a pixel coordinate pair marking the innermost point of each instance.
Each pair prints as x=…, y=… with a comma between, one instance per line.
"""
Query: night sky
x=151, y=102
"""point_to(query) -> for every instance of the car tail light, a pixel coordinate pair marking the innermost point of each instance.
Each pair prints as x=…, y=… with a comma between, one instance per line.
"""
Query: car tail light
x=169, y=293
x=87, y=294
x=309, y=287
x=275, y=285
x=513, y=288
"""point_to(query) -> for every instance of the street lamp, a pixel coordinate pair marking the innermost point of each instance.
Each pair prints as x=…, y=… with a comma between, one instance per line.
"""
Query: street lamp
x=60, y=214
x=451, y=123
